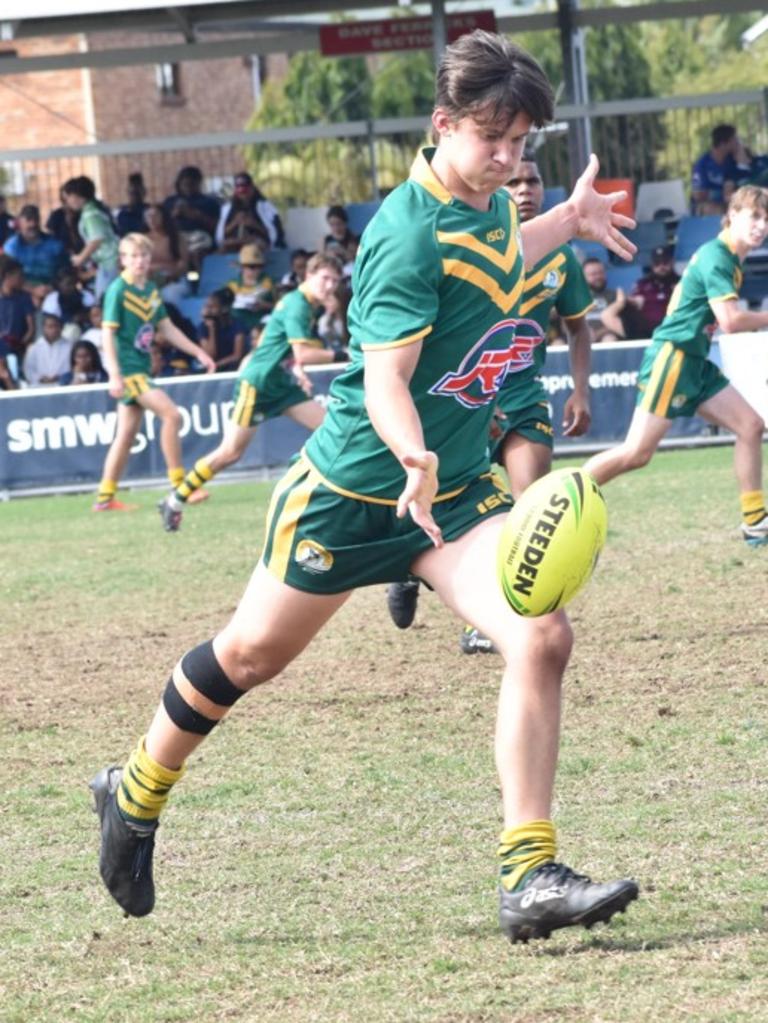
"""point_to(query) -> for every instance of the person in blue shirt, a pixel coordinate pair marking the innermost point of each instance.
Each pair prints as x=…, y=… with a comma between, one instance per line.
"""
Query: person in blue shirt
x=40, y=255
x=713, y=170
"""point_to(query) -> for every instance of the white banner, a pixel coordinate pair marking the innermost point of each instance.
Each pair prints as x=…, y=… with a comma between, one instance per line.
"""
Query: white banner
x=745, y=363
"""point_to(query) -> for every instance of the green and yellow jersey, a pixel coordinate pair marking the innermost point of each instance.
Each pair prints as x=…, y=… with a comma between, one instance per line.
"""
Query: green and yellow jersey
x=294, y=321
x=556, y=281
x=133, y=313
x=430, y=269
x=713, y=273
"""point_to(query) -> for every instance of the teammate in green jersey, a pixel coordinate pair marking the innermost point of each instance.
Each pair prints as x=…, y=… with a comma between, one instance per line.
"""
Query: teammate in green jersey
x=265, y=387
x=132, y=312
x=677, y=379
x=397, y=480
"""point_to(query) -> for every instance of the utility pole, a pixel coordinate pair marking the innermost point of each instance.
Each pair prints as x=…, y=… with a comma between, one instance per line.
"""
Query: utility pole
x=576, y=86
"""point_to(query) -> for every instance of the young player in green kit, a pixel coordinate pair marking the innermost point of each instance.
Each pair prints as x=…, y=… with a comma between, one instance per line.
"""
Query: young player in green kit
x=523, y=427
x=677, y=379
x=264, y=388
x=132, y=313
x=397, y=480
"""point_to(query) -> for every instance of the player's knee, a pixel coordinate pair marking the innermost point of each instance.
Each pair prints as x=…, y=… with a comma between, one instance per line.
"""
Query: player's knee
x=547, y=641
x=249, y=662
x=752, y=429
x=172, y=417
x=638, y=457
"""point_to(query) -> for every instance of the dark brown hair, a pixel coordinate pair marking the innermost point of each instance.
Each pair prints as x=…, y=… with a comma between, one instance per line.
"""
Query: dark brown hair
x=490, y=78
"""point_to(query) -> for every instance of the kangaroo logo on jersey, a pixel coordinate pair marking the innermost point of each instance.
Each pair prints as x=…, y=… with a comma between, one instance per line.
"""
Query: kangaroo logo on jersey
x=313, y=557
x=507, y=347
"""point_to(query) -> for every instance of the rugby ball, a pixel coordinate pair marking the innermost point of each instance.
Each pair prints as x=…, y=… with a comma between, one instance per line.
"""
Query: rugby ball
x=551, y=541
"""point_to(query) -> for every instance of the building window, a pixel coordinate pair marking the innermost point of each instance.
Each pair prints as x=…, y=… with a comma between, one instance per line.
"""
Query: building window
x=168, y=79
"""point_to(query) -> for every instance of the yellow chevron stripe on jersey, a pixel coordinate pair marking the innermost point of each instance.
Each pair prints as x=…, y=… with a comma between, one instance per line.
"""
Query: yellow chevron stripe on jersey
x=503, y=260
x=139, y=309
x=505, y=300
x=538, y=277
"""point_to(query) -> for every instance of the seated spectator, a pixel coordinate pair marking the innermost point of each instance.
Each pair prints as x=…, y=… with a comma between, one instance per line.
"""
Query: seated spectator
x=170, y=258
x=92, y=332
x=130, y=217
x=48, y=358
x=174, y=361
x=97, y=232
x=222, y=337
x=158, y=366
x=69, y=301
x=17, y=311
x=332, y=325
x=339, y=241
x=297, y=273
x=604, y=317
x=713, y=170
x=254, y=291
x=647, y=302
x=41, y=256
x=84, y=366
x=194, y=214
x=6, y=222
x=248, y=217
x=9, y=379
x=63, y=223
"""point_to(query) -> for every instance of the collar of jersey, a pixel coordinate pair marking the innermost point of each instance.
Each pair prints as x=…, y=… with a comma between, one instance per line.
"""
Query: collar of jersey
x=422, y=174
x=305, y=292
x=725, y=238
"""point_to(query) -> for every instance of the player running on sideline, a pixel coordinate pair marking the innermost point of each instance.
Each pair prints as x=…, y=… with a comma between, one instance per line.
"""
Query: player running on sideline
x=264, y=388
x=524, y=446
x=397, y=480
x=132, y=311
x=677, y=379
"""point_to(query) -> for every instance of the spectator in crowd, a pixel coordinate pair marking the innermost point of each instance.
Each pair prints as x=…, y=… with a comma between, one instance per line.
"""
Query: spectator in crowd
x=6, y=222
x=130, y=217
x=647, y=302
x=40, y=255
x=340, y=241
x=297, y=273
x=254, y=291
x=713, y=170
x=69, y=301
x=605, y=316
x=84, y=365
x=332, y=325
x=17, y=311
x=97, y=232
x=48, y=358
x=63, y=223
x=222, y=337
x=92, y=332
x=248, y=217
x=8, y=379
x=176, y=362
x=194, y=214
x=170, y=258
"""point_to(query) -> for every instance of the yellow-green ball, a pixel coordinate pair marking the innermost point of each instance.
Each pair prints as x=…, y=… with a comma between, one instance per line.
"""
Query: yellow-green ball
x=551, y=541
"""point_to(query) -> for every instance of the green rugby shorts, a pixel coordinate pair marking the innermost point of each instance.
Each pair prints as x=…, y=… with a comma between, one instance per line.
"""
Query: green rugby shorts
x=672, y=383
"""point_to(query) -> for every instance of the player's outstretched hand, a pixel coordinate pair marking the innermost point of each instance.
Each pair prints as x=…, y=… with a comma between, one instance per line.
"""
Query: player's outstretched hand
x=116, y=386
x=576, y=417
x=206, y=362
x=419, y=493
x=598, y=221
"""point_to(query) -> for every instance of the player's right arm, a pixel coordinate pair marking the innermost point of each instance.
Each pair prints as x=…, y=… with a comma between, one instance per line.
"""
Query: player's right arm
x=732, y=320
x=392, y=412
x=116, y=385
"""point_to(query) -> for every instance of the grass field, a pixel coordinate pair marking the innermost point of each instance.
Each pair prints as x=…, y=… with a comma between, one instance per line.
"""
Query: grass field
x=330, y=855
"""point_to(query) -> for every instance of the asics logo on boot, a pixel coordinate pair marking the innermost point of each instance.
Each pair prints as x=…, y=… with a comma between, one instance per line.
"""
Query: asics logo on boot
x=534, y=895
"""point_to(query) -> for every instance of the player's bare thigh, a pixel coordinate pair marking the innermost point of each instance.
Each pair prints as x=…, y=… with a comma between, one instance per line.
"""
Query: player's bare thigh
x=159, y=403
x=272, y=624
x=463, y=574
x=524, y=462
x=307, y=413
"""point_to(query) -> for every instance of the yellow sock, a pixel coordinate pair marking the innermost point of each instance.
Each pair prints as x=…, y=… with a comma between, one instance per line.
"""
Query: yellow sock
x=523, y=849
x=194, y=479
x=107, y=490
x=145, y=787
x=752, y=506
x=176, y=475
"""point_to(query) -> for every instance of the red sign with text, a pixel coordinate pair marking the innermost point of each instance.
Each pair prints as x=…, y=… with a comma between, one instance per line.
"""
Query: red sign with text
x=397, y=33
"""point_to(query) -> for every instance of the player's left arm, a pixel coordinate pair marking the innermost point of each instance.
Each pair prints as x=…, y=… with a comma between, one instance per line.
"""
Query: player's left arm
x=171, y=333
x=577, y=415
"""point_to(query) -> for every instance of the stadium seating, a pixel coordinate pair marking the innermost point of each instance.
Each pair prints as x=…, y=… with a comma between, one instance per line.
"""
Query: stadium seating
x=661, y=200
x=305, y=227
x=360, y=213
x=693, y=232
x=624, y=276
x=647, y=236
x=192, y=307
x=589, y=250
x=278, y=263
x=552, y=196
x=218, y=268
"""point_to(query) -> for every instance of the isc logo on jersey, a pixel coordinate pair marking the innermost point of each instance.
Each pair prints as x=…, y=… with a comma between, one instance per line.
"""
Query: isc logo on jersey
x=507, y=347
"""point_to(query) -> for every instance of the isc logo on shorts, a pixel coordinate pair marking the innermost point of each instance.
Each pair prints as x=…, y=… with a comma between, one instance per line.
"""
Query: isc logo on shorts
x=313, y=557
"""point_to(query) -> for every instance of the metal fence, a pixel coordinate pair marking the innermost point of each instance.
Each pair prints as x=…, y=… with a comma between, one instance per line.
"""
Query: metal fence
x=643, y=140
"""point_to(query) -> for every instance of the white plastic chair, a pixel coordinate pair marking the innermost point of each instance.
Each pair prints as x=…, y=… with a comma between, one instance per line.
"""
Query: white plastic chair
x=653, y=196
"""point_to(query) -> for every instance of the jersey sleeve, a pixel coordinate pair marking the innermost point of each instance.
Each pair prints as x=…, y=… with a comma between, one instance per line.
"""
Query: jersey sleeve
x=110, y=316
x=719, y=275
x=574, y=298
x=297, y=320
x=396, y=281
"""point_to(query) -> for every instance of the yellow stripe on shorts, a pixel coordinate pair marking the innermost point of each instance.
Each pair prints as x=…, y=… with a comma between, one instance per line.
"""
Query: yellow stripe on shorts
x=667, y=364
x=287, y=524
x=246, y=402
x=136, y=384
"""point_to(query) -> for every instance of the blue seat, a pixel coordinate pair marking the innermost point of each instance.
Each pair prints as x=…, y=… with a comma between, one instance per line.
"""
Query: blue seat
x=359, y=214
x=218, y=269
x=552, y=196
x=589, y=250
x=278, y=263
x=624, y=276
x=693, y=232
x=192, y=307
